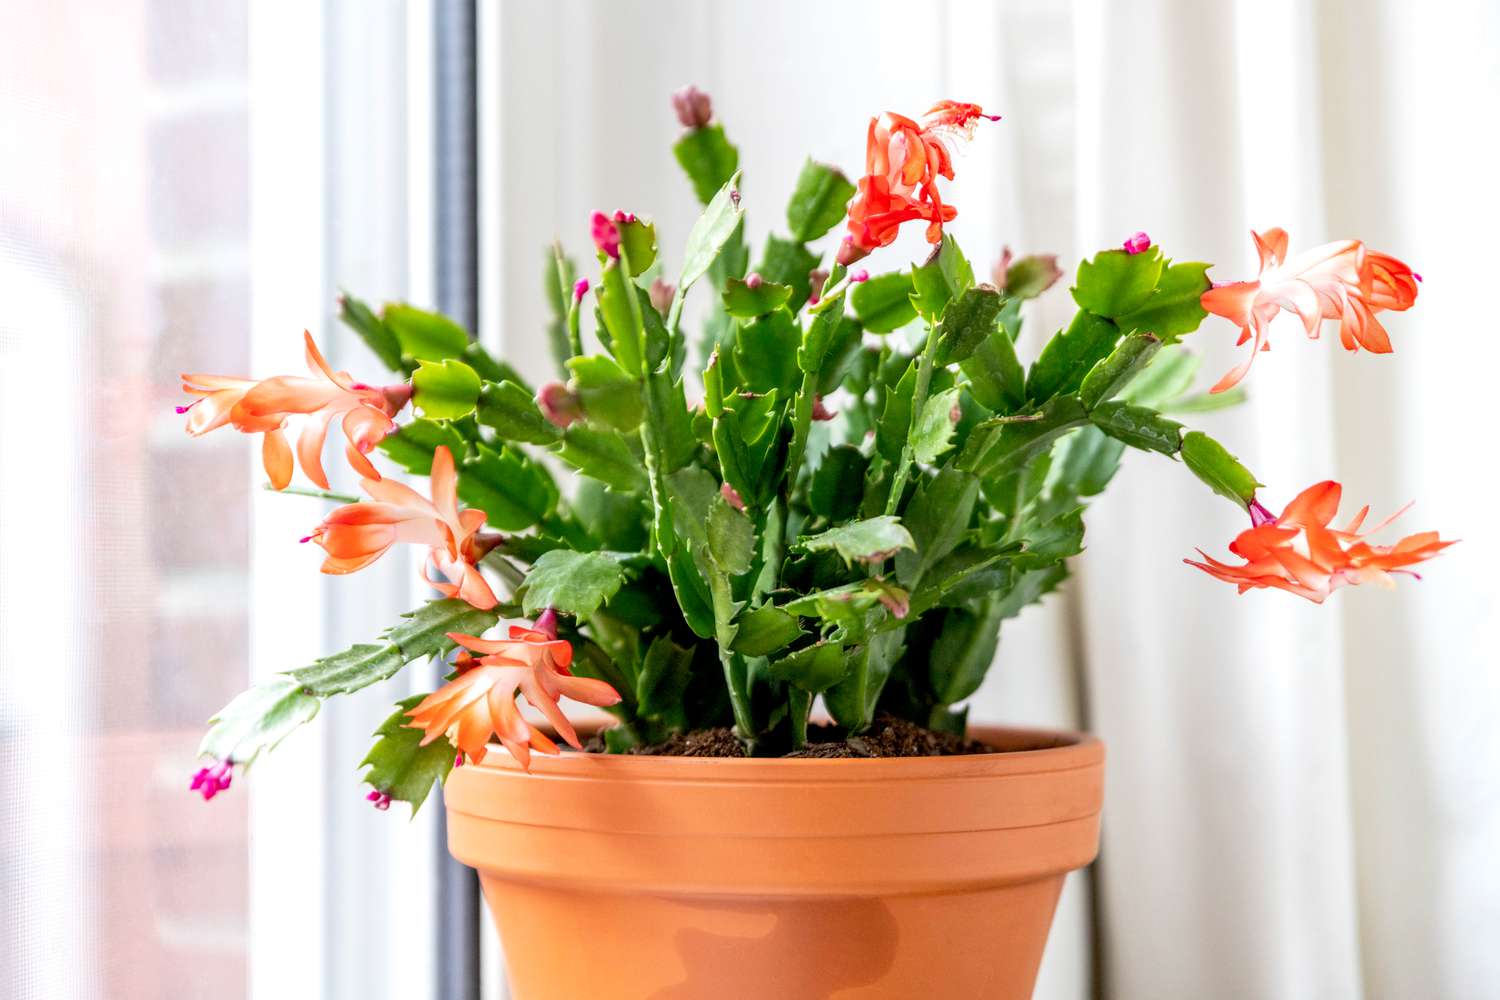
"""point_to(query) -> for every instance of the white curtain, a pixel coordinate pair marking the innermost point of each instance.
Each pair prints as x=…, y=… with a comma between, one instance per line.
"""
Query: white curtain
x=1302, y=801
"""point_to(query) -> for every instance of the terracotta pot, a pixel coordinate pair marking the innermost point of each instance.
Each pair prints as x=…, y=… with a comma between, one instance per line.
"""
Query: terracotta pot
x=670, y=877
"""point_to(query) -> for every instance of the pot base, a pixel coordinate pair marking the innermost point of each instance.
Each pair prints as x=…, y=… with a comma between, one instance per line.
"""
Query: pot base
x=768, y=948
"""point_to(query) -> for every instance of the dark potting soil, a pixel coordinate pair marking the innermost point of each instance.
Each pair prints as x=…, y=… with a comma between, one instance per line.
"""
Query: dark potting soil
x=888, y=736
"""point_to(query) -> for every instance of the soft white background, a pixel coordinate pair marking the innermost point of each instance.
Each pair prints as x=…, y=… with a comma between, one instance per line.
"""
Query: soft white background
x=1302, y=802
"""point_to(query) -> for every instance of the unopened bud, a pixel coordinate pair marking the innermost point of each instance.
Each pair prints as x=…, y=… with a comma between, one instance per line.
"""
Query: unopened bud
x=694, y=108
x=849, y=252
x=559, y=404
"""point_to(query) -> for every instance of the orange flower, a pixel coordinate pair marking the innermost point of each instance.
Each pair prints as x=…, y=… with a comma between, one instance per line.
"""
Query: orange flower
x=903, y=161
x=1298, y=552
x=1342, y=281
x=265, y=407
x=481, y=701
x=357, y=534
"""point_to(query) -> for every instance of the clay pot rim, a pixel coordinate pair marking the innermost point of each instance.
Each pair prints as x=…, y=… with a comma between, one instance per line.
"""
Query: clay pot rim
x=1038, y=751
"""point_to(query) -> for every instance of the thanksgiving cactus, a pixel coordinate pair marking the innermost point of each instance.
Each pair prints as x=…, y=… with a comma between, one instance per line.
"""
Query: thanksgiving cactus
x=872, y=483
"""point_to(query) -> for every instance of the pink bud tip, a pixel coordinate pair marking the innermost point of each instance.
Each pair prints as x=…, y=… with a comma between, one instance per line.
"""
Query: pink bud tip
x=993, y=118
x=606, y=236
x=1138, y=243
x=305, y=539
x=580, y=289
x=546, y=623
x=732, y=497
x=693, y=107
x=1414, y=274
x=374, y=796
x=1259, y=514
x=753, y=280
x=381, y=800
x=458, y=760
x=210, y=781
x=183, y=409
x=859, y=274
x=623, y=216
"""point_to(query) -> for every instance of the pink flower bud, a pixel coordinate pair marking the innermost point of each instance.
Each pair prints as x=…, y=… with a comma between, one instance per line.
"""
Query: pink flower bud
x=753, y=280
x=849, y=252
x=606, y=236
x=546, y=623
x=694, y=108
x=816, y=279
x=580, y=289
x=858, y=275
x=1138, y=243
x=1259, y=514
x=559, y=404
x=732, y=497
x=661, y=294
x=1000, y=274
x=210, y=781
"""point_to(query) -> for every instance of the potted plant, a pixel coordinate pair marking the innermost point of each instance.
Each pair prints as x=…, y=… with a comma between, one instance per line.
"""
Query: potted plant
x=871, y=485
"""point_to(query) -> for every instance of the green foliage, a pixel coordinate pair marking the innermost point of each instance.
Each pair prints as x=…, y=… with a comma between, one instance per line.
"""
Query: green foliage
x=872, y=540
x=604, y=455
x=399, y=765
x=257, y=720
x=814, y=668
x=444, y=390
x=765, y=630
x=1172, y=309
x=1110, y=377
x=883, y=303
x=637, y=244
x=719, y=222
x=423, y=335
x=1117, y=283
x=968, y=321
x=746, y=302
x=610, y=396
x=787, y=262
x=421, y=633
x=412, y=446
x=558, y=277
x=708, y=158
x=573, y=582
x=818, y=201
x=514, y=415
x=1211, y=462
x=1068, y=357
x=514, y=492
x=260, y=718
x=932, y=434
x=1029, y=277
x=995, y=375
x=945, y=276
